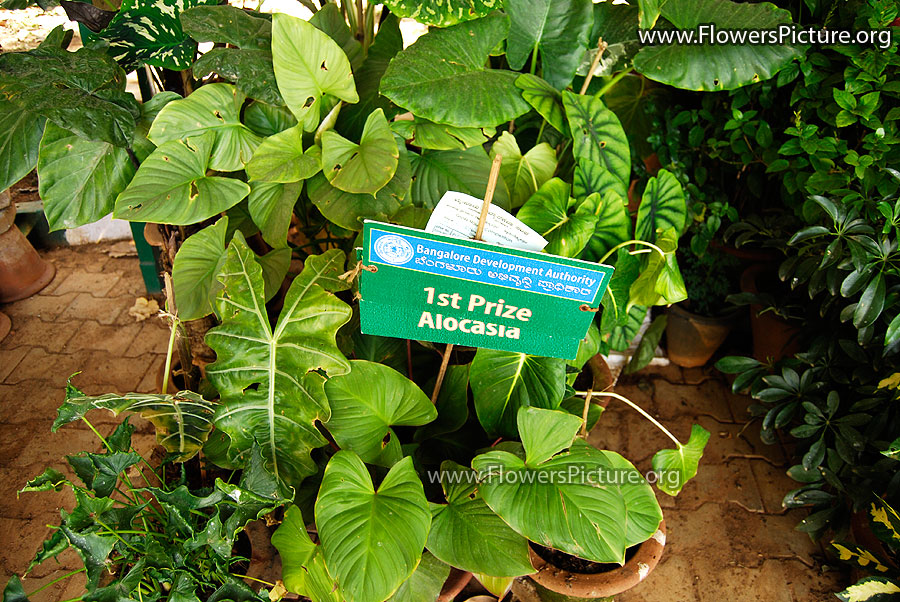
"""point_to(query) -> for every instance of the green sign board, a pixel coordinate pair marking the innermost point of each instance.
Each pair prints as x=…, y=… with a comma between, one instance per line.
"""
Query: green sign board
x=428, y=287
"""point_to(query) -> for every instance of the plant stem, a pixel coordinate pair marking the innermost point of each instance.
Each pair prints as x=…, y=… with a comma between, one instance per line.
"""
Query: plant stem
x=540, y=132
x=584, y=414
x=534, y=53
x=115, y=534
x=99, y=436
x=618, y=77
x=601, y=48
x=169, y=351
x=632, y=242
x=640, y=410
x=253, y=579
x=57, y=580
x=445, y=361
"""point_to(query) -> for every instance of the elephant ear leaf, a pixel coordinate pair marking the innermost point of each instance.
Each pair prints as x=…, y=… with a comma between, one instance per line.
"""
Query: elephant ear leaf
x=662, y=207
x=270, y=379
x=678, y=466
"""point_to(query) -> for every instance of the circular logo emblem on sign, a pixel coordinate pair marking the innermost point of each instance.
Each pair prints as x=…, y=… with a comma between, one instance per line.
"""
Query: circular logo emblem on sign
x=393, y=249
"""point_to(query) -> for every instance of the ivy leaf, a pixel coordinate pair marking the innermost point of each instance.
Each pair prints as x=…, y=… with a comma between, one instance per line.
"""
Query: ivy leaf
x=442, y=12
x=281, y=158
x=442, y=76
x=79, y=179
x=365, y=167
x=272, y=391
x=171, y=185
x=367, y=402
x=557, y=29
x=20, y=138
x=503, y=381
x=545, y=99
x=467, y=171
x=523, y=174
x=213, y=108
x=566, y=224
x=362, y=528
x=308, y=65
x=681, y=462
x=662, y=207
x=197, y=262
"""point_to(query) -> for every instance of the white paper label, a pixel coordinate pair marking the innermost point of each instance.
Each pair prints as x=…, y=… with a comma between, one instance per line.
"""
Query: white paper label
x=457, y=215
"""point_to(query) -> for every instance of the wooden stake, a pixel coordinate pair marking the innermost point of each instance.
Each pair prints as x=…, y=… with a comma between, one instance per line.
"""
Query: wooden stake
x=601, y=48
x=479, y=231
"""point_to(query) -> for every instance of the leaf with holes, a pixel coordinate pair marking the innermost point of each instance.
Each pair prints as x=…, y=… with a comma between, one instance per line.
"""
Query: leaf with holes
x=565, y=223
x=545, y=99
x=662, y=207
x=558, y=29
x=270, y=379
x=79, y=179
x=443, y=12
x=365, y=167
x=214, y=108
x=367, y=402
x=372, y=539
x=171, y=185
x=523, y=174
x=503, y=381
x=707, y=67
x=436, y=172
x=20, y=138
x=678, y=466
x=197, y=262
x=308, y=65
x=598, y=137
x=442, y=76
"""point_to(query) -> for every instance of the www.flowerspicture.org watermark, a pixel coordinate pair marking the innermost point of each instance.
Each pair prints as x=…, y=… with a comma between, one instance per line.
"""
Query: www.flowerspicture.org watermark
x=568, y=475
x=709, y=34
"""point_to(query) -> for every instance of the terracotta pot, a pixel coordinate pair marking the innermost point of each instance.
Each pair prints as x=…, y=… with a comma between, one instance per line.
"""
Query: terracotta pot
x=604, y=584
x=454, y=584
x=5, y=325
x=22, y=271
x=691, y=339
x=773, y=337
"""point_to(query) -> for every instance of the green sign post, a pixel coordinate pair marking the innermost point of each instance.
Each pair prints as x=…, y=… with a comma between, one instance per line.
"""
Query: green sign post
x=427, y=287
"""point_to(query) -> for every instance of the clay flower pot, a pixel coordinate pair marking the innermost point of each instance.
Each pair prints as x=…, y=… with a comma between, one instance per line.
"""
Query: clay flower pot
x=5, y=325
x=691, y=339
x=773, y=337
x=605, y=583
x=22, y=271
x=456, y=581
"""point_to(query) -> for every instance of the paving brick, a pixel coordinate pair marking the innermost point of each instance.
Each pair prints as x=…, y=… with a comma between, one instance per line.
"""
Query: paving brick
x=13, y=439
x=104, y=311
x=690, y=532
x=153, y=338
x=51, y=448
x=148, y=383
x=10, y=358
x=81, y=281
x=773, y=484
x=93, y=336
x=29, y=401
x=122, y=373
x=719, y=483
x=765, y=536
x=717, y=582
x=45, y=307
x=34, y=332
x=63, y=271
x=52, y=368
x=674, y=400
x=43, y=505
x=671, y=581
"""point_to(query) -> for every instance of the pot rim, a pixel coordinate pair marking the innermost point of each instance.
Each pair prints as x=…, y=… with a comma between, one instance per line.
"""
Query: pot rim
x=607, y=583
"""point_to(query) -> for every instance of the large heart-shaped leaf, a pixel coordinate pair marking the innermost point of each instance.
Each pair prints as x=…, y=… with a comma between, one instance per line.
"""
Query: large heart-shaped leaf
x=677, y=466
x=303, y=566
x=660, y=281
x=436, y=172
x=545, y=432
x=79, y=179
x=308, y=65
x=347, y=209
x=372, y=539
x=228, y=24
x=171, y=185
x=465, y=533
x=271, y=206
x=662, y=207
x=250, y=69
x=558, y=29
x=80, y=91
x=329, y=20
x=20, y=138
x=452, y=404
x=442, y=12
x=272, y=391
x=613, y=227
x=194, y=270
x=642, y=511
x=281, y=158
x=425, y=583
x=717, y=66
x=545, y=99
x=598, y=137
x=440, y=136
x=503, y=381
x=182, y=421
x=581, y=514
x=442, y=76
x=212, y=108
x=365, y=167
x=367, y=402
x=565, y=223
x=523, y=174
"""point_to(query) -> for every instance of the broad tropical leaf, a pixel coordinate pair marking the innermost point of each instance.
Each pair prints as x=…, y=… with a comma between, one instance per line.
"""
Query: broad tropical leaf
x=678, y=466
x=436, y=172
x=365, y=167
x=194, y=271
x=281, y=158
x=171, y=185
x=545, y=432
x=660, y=281
x=372, y=539
x=367, y=402
x=182, y=421
x=503, y=381
x=613, y=227
x=329, y=20
x=303, y=566
x=269, y=380
x=452, y=404
x=425, y=583
x=20, y=138
x=228, y=24
x=267, y=120
x=308, y=65
x=523, y=174
x=439, y=136
x=642, y=511
x=662, y=207
x=716, y=66
x=870, y=589
x=250, y=69
x=442, y=12
x=271, y=206
x=545, y=99
x=79, y=179
x=565, y=223
x=442, y=76
x=598, y=137
x=214, y=108
x=558, y=29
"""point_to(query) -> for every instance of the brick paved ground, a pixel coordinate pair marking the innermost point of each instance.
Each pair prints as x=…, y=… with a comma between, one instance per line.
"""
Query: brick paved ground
x=729, y=539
